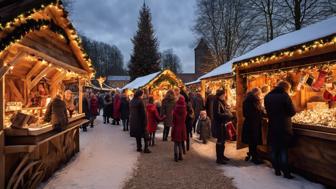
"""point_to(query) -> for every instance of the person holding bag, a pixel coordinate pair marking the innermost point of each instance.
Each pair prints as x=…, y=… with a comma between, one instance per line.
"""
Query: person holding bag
x=222, y=115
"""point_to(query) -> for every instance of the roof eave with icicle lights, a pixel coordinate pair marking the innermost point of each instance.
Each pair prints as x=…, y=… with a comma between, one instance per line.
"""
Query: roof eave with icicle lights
x=20, y=18
x=147, y=80
x=312, y=39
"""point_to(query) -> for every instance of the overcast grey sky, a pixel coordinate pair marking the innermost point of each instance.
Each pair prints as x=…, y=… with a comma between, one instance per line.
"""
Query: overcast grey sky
x=115, y=22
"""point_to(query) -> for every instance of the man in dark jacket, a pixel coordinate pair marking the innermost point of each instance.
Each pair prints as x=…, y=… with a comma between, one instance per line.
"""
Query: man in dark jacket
x=138, y=121
x=124, y=111
x=222, y=115
x=209, y=107
x=198, y=106
x=56, y=113
x=280, y=109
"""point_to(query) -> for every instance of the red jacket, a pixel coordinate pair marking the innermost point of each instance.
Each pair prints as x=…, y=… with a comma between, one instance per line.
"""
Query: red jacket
x=116, y=107
x=94, y=105
x=153, y=118
x=179, y=131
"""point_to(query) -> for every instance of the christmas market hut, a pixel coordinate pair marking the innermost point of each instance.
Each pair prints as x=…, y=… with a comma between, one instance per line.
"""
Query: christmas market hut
x=40, y=57
x=307, y=60
x=155, y=84
x=220, y=78
x=193, y=86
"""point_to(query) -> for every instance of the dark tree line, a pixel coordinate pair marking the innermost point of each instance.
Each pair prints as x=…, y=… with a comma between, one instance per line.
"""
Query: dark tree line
x=169, y=60
x=107, y=59
x=232, y=27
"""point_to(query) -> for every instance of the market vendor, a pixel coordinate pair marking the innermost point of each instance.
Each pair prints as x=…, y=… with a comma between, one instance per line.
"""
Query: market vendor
x=69, y=102
x=56, y=113
x=42, y=94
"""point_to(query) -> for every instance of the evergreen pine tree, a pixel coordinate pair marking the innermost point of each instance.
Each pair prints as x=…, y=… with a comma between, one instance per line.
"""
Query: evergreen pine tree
x=145, y=58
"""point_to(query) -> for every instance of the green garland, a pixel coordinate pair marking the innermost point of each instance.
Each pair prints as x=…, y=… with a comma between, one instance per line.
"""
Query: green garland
x=165, y=77
x=30, y=26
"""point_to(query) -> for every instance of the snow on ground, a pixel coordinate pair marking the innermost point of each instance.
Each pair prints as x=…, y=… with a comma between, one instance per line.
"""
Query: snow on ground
x=247, y=175
x=106, y=159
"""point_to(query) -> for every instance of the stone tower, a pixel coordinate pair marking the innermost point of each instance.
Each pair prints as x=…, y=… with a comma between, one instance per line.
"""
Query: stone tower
x=203, y=57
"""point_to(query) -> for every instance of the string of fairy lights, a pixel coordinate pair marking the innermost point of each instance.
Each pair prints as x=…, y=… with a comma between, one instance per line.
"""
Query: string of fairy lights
x=15, y=30
x=295, y=51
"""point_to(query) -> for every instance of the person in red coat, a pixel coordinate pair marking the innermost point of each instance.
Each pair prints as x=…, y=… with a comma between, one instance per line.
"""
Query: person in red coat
x=93, y=108
x=116, y=109
x=153, y=118
x=179, y=131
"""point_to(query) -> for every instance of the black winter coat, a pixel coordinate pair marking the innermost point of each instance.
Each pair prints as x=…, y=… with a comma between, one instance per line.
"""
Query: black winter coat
x=253, y=115
x=190, y=117
x=138, y=118
x=124, y=108
x=209, y=105
x=222, y=115
x=56, y=113
x=280, y=109
x=108, y=107
x=86, y=108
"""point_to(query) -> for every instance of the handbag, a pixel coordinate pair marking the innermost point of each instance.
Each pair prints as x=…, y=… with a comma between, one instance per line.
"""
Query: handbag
x=230, y=131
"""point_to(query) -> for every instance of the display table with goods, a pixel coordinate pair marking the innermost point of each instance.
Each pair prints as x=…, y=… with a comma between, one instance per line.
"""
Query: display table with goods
x=41, y=60
x=308, y=64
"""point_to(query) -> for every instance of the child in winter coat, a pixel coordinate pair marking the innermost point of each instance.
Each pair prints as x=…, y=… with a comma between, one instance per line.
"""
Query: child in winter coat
x=179, y=130
x=203, y=126
x=153, y=118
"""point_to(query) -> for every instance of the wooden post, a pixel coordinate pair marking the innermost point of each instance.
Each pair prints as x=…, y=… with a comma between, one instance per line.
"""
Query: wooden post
x=80, y=96
x=2, y=137
x=239, y=108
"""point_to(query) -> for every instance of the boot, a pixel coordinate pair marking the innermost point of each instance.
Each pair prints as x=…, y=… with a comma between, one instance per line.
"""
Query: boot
x=175, y=157
x=147, y=151
x=277, y=172
x=288, y=176
x=224, y=157
x=183, y=148
x=84, y=129
x=180, y=156
x=219, y=154
x=188, y=144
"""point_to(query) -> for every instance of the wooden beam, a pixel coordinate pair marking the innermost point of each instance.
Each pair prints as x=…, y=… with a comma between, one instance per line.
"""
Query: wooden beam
x=34, y=70
x=2, y=159
x=44, y=72
x=80, y=96
x=2, y=103
x=4, y=69
x=51, y=59
x=15, y=90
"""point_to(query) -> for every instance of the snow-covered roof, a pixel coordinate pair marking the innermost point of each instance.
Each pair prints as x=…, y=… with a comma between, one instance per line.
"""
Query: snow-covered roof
x=193, y=82
x=310, y=33
x=141, y=81
x=225, y=68
x=118, y=78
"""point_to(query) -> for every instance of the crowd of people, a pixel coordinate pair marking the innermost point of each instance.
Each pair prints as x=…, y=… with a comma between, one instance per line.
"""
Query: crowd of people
x=185, y=114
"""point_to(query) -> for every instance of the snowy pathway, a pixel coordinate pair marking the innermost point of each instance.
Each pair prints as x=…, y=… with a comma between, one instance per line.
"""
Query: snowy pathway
x=106, y=159
x=247, y=175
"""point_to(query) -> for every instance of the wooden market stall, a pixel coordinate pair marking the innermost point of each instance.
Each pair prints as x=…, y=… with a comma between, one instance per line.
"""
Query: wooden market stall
x=155, y=84
x=193, y=86
x=220, y=78
x=307, y=60
x=40, y=56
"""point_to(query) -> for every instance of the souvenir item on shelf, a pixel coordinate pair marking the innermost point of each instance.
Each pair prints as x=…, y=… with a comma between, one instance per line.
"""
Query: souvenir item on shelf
x=310, y=80
x=319, y=81
x=302, y=81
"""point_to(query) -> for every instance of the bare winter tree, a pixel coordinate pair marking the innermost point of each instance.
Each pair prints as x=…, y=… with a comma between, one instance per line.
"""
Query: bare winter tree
x=298, y=13
x=264, y=11
x=226, y=26
x=169, y=60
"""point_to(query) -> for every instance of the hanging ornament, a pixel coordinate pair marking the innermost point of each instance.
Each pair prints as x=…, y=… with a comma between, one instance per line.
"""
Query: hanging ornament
x=319, y=81
x=310, y=80
x=302, y=81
